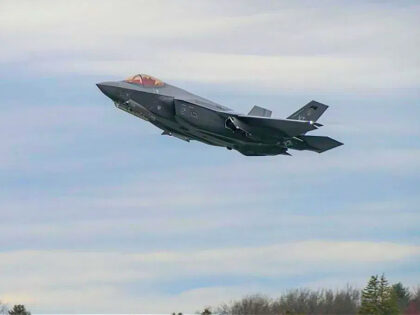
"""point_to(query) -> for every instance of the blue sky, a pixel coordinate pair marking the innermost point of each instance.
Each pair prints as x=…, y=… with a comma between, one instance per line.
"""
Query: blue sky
x=100, y=213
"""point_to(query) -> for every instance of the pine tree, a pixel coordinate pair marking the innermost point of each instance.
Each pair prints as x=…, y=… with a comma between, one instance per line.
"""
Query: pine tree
x=206, y=311
x=370, y=298
x=19, y=310
x=402, y=295
x=387, y=299
x=379, y=298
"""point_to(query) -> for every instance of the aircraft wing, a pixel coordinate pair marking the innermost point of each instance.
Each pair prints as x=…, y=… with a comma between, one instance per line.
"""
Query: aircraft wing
x=287, y=127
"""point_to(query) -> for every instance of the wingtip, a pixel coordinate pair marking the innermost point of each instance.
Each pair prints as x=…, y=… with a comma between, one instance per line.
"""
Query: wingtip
x=320, y=103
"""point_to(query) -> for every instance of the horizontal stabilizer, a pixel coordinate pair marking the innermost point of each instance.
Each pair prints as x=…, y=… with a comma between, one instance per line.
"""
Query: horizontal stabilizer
x=260, y=111
x=311, y=111
x=316, y=143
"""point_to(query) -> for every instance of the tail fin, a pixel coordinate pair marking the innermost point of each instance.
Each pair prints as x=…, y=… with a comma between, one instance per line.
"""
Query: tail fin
x=311, y=111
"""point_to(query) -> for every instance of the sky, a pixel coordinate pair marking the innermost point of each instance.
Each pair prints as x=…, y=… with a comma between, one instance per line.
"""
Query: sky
x=100, y=213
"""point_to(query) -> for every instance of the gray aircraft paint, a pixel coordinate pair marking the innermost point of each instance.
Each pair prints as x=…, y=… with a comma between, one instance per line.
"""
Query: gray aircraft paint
x=187, y=116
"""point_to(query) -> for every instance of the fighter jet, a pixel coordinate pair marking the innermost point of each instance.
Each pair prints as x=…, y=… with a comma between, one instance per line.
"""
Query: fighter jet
x=186, y=116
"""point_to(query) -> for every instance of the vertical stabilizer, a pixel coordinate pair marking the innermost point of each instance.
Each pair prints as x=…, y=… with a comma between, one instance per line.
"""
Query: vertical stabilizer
x=310, y=112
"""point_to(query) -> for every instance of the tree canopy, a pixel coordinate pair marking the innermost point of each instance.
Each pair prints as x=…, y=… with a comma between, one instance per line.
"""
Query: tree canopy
x=19, y=310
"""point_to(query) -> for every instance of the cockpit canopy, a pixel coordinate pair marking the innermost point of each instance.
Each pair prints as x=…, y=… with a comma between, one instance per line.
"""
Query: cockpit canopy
x=144, y=80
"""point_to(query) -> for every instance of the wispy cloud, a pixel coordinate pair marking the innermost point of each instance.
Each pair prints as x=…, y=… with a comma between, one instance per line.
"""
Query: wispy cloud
x=96, y=205
x=60, y=271
x=312, y=48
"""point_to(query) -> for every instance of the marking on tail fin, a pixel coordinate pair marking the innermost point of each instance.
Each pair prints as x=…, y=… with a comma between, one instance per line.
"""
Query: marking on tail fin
x=311, y=111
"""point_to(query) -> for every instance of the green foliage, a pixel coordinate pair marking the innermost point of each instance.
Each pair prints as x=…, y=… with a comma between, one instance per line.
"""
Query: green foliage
x=387, y=298
x=379, y=298
x=402, y=295
x=19, y=310
x=370, y=297
x=206, y=311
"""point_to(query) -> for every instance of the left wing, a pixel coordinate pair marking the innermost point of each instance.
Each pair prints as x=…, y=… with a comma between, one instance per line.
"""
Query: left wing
x=269, y=126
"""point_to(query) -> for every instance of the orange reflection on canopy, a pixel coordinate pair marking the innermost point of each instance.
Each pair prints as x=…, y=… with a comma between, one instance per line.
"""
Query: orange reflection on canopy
x=145, y=80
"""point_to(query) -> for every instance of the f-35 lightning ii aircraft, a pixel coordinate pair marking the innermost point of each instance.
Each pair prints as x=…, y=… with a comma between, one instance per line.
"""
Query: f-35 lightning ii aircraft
x=186, y=116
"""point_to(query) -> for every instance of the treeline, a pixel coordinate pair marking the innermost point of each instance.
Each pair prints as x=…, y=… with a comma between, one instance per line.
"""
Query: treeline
x=377, y=298
x=15, y=310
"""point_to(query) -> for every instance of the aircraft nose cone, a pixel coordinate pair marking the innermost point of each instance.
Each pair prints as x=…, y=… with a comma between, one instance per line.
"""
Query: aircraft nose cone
x=102, y=86
x=108, y=88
